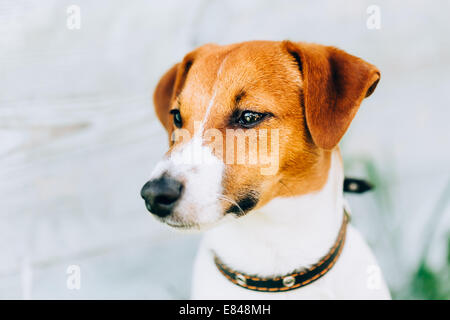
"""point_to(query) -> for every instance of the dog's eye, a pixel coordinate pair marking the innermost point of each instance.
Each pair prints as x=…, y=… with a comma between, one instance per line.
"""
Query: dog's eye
x=249, y=118
x=177, y=118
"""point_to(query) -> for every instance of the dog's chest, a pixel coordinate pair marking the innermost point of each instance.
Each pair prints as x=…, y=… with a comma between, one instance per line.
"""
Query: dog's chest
x=348, y=279
x=209, y=283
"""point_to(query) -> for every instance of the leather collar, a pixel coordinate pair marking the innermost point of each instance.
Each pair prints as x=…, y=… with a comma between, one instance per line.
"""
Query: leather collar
x=291, y=281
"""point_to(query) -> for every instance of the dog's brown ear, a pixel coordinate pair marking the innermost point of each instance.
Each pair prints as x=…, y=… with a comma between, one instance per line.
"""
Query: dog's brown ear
x=163, y=95
x=334, y=85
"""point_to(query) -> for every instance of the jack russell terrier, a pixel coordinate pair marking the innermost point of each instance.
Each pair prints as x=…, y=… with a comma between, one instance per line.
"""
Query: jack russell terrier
x=275, y=217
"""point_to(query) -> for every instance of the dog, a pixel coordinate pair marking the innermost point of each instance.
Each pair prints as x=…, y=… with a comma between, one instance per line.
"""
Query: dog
x=275, y=227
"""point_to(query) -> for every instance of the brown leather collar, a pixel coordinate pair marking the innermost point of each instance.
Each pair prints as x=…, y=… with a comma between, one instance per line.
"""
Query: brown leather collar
x=293, y=280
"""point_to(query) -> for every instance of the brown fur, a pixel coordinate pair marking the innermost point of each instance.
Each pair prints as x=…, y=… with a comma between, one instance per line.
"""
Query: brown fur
x=312, y=105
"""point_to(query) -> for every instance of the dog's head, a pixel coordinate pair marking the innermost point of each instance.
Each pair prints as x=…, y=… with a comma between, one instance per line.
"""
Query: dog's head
x=250, y=122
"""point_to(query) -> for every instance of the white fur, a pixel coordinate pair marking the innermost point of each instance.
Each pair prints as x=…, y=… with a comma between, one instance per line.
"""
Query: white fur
x=285, y=235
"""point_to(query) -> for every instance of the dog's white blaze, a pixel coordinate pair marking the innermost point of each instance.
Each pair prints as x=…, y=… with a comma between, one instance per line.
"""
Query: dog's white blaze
x=201, y=173
x=213, y=97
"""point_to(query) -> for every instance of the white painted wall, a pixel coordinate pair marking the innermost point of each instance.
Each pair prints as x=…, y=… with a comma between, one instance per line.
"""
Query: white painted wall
x=78, y=135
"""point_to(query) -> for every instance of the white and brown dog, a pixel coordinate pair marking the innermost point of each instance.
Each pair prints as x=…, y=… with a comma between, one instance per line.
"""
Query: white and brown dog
x=275, y=217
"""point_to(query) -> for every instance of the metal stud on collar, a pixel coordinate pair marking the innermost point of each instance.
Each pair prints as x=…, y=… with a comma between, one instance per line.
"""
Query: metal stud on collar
x=288, y=281
x=240, y=279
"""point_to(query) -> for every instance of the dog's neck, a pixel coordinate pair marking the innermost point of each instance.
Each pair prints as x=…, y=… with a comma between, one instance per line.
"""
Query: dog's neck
x=286, y=234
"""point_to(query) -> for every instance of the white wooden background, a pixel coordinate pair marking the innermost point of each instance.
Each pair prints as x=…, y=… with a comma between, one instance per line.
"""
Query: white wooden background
x=78, y=136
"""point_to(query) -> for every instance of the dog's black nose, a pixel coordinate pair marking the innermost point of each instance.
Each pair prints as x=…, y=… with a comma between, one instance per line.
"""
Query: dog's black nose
x=161, y=195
